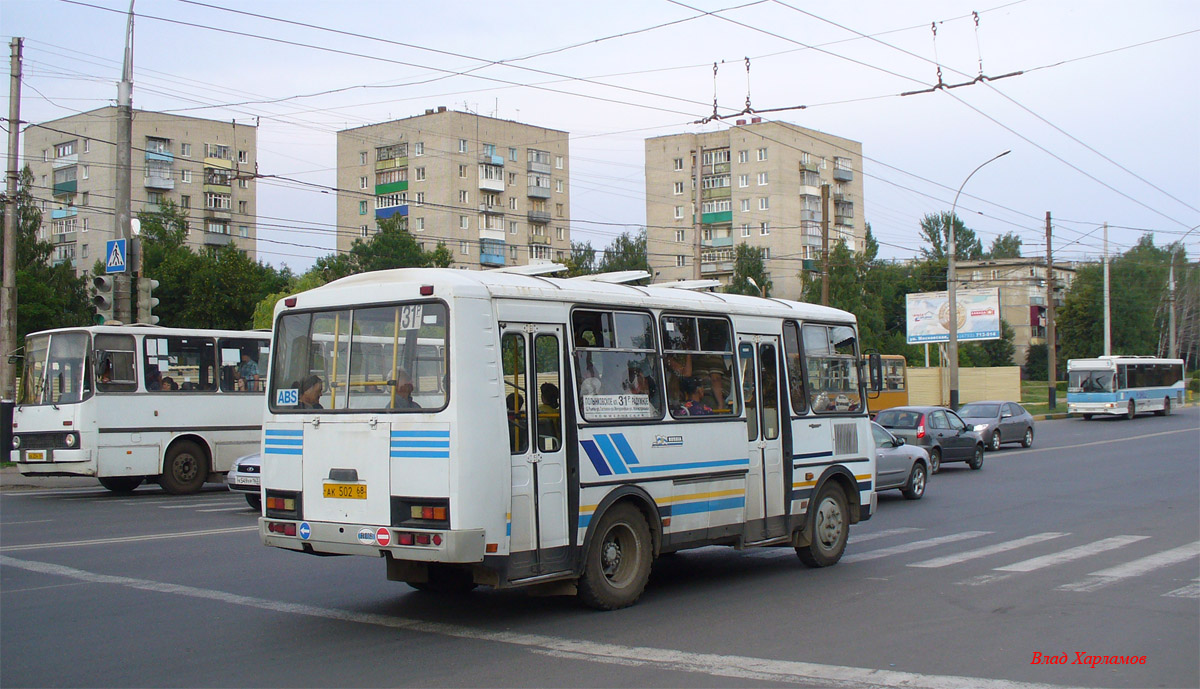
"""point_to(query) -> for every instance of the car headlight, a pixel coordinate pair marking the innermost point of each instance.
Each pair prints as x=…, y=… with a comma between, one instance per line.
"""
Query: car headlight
x=16, y=442
x=980, y=427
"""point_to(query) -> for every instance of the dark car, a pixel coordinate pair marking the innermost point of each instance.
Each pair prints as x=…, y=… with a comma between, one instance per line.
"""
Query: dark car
x=947, y=437
x=899, y=465
x=999, y=422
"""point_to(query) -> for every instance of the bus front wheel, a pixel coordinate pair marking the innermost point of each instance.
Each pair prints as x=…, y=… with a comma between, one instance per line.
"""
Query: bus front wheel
x=184, y=470
x=121, y=484
x=1132, y=411
x=617, y=564
x=830, y=527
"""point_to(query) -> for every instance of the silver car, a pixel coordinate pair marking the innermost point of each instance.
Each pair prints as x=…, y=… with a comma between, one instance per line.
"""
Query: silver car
x=245, y=476
x=899, y=465
x=999, y=422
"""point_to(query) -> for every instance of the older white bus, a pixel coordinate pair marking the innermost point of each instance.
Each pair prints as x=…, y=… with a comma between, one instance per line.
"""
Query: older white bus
x=127, y=403
x=560, y=433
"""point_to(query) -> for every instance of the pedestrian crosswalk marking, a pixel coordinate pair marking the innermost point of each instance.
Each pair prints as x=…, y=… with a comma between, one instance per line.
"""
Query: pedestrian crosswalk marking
x=1192, y=590
x=1134, y=568
x=770, y=553
x=914, y=545
x=1070, y=554
x=989, y=550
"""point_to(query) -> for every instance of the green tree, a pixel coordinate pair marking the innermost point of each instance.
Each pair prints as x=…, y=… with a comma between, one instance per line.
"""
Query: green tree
x=1007, y=245
x=48, y=296
x=627, y=252
x=748, y=263
x=391, y=247
x=991, y=352
x=935, y=230
x=582, y=260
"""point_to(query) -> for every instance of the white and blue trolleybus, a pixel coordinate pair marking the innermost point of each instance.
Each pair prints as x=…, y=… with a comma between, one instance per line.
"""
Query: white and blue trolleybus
x=508, y=429
x=1124, y=385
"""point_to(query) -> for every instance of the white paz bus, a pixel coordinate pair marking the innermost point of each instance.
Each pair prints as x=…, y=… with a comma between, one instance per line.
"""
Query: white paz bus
x=561, y=433
x=1124, y=385
x=130, y=403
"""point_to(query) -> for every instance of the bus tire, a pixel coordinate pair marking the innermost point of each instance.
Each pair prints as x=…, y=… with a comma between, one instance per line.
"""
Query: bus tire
x=976, y=461
x=617, y=564
x=446, y=581
x=185, y=469
x=1132, y=410
x=121, y=484
x=829, y=527
x=1166, y=410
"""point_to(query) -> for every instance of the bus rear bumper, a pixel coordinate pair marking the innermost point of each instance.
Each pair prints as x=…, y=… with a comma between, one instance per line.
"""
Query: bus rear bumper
x=459, y=546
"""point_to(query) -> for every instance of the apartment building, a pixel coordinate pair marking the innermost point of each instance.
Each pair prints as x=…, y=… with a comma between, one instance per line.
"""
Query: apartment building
x=496, y=192
x=1022, y=283
x=758, y=183
x=206, y=167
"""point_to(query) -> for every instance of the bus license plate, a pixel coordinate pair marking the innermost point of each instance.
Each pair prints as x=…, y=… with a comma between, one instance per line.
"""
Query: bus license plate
x=351, y=491
x=35, y=455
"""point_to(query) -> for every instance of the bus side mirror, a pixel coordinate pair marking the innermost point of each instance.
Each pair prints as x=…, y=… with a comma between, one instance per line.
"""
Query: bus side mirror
x=875, y=367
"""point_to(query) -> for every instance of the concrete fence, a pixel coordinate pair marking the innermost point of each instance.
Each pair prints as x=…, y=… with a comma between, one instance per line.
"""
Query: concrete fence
x=932, y=385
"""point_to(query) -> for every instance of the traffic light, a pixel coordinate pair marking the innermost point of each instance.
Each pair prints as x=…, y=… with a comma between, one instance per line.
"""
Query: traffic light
x=104, y=298
x=146, y=301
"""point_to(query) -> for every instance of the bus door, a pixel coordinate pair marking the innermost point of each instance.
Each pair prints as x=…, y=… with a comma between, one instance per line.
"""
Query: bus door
x=532, y=361
x=765, y=489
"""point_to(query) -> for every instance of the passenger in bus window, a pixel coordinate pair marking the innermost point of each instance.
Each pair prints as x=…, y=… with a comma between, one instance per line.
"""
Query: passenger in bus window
x=310, y=393
x=169, y=384
x=106, y=371
x=404, y=388
x=153, y=379
x=248, y=372
x=694, y=392
x=590, y=383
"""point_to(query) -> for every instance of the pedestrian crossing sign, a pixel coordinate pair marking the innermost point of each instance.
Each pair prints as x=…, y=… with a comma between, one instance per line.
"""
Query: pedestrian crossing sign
x=116, y=255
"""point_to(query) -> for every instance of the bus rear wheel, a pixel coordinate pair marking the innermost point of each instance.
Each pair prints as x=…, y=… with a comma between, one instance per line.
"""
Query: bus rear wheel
x=617, y=565
x=185, y=469
x=1132, y=411
x=829, y=528
x=121, y=484
x=1166, y=410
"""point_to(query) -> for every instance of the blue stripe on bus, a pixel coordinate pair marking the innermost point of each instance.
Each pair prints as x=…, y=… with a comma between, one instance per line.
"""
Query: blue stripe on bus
x=626, y=451
x=283, y=451
x=708, y=506
x=593, y=454
x=284, y=432
x=420, y=434
x=283, y=441
x=813, y=455
x=611, y=454
x=420, y=454
x=420, y=443
x=584, y=520
x=643, y=468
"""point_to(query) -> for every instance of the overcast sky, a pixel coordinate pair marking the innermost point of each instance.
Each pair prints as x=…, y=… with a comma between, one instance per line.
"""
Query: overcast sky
x=1103, y=124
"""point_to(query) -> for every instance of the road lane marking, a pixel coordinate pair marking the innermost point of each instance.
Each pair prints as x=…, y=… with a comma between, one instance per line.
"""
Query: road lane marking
x=989, y=550
x=1070, y=554
x=124, y=539
x=239, y=508
x=1134, y=568
x=1192, y=590
x=768, y=553
x=192, y=505
x=1110, y=441
x=914, y=545
x=882, y=534
x=33, y=521
x=983, y=579
x=730, y=666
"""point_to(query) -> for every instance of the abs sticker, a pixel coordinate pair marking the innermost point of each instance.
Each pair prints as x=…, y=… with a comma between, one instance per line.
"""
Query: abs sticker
x=287, y=398
x=366, y=536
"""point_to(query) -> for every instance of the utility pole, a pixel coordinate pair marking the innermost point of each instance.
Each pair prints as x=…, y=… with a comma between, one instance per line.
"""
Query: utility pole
x=825, y=244
x=696, y=217
x=1107, y=305
x=1171, y=353
x=123, y=306
x=1051, y=344
x=8, y=300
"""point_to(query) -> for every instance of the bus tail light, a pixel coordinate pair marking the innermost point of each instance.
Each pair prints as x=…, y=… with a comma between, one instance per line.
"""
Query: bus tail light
x=422, y=513
x=285, y=528
x=418, y=538
x=283, y=504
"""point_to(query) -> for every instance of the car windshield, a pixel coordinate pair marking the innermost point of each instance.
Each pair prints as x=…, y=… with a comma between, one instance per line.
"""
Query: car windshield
x=894, y=418
x=1090, y=381
x=979, y=411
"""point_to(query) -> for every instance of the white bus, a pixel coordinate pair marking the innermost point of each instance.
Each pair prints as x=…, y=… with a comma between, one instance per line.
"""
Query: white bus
x=1124, y=385
x=129, y=403
x=562, y=432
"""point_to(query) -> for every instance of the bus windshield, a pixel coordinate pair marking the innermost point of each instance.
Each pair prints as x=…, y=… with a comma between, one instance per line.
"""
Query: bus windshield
x=380, y=358
x=1090, y=381
x=56, y=369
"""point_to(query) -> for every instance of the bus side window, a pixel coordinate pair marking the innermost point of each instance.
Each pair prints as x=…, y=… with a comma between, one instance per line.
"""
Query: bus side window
x=512, y=349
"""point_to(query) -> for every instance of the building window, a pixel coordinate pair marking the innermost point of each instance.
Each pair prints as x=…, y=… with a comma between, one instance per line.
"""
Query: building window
x=764, y=229
x=185, y=150
x=558, y=162
x=745, y=205
x=558, y=210
x=83, y=198
x=743, y=156
x=464, y=196
x=243, y=183
x=512, y=252
x=185, y=176
x=243, y=231
x=462, y=171
x=680, y=261
x=362, y=182
x=419, y=198
x=85, y=171
x=362, y=160
x=678, y=188
x=65, y=149
x=762, y=178
x=419, y=148
x=85, y=225
x=463, y=247
x=746, y=230
x=559, y=233
x=489, y=149
x=678, y=164
x=678, y=212
x=243, y=157
x=242, y=207
x=214, y=227
x=743, y=181
x=45, y=155
x=680, y=235
x=762, y=154
x=419, y=224
x=84, y=249
x=420, y=174
x=512, y=203
x=87, y=148
x=216, y=151
x=362, y=207
x=220, y=202
x=462, y=148
x=464, y=222
x=362, y=230
x=512, y=178
x=558, y=186
x=763, y=203
x=185, y=201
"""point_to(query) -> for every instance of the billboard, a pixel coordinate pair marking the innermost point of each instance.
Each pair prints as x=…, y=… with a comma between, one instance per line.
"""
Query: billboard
x=927, y=315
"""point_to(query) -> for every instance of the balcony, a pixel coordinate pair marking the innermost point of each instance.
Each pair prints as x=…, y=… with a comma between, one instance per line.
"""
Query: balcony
x=491, y=234
x=718, y=242
x=843, y=220
x=492, y=183
x=158, y=182
x=718, y=193
x=811, y=166
x=539, y=192
x=494, y=208
x=60, y=213
x=843, y=175
x=810, y=190
x=391, y=188
x=810, y=216
x=490, y=258
x=65, y=188
x=543, y=168
x=65, y=161
x=716, y=267
x=217, y=239
x=538, y=216
x=64, y=238
x=381, y=213
x=492, y=160
x=717, y=168
x=214, y=213
x=391, y=163
x=161, y=157
x=221, y=163
x=539, y=239
x=715, y=218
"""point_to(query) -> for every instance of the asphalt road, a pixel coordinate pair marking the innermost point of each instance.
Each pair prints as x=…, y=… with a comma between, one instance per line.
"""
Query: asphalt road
x=1088, y=542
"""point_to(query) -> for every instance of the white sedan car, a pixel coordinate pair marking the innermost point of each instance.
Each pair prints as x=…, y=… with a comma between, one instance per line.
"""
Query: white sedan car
x=245, y=477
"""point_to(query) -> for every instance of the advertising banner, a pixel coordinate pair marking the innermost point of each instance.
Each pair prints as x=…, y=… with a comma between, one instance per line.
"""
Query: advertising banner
x=978, y=315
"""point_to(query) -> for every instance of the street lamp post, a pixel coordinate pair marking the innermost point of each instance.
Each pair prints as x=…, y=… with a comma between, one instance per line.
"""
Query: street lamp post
x=762, y=292
x=950, y=290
